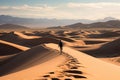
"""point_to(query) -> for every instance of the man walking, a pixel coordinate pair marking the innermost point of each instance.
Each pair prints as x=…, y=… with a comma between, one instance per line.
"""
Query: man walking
x=61, y=46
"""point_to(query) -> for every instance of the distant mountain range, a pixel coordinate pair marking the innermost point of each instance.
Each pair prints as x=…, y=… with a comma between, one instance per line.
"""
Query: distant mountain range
x=37, y=23
x=12, y=26
x=107, y=24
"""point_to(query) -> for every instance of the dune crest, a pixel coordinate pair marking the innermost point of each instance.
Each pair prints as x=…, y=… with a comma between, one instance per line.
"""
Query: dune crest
x=93, y=72
x=38, y=56
x=109, y=49
x=31, y=64
x=23, y=48
x=25, y=36
x=23, y=60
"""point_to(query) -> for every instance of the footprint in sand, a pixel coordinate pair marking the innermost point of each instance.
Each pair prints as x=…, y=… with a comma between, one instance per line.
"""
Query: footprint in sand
x=78, y=76
x=51, y=72
x=46, y=76
x=55, y=79
x=67, y=79
x=69, y=71
x=74, y=71
x=74, y=67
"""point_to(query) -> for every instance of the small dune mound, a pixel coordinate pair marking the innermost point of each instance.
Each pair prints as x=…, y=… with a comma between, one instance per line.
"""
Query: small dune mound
x=94, y=32
x=85, y=32
x=79, y=42
x=79, y=34
x=67, y=32
x=73, y=33
x=106, y=34
x=115, y=59
x=42, y=33
x=10, y=37
x=16, y=37
x=7, y=48
x=60, y=33
x=76, y=43
x=65, y=39
x=62, y=36
x=35, y=42
x=24, y=36
x=21, y=39
x=28, y=33
x=30, y=41
x=52, y=34
x=96, y=41
x=29, y=58
x=111, y=49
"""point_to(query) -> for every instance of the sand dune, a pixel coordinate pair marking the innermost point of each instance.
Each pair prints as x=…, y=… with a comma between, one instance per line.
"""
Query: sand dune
x=8, y=50
x=40, y=60
x=25, y=36
x=110, y=49
x=22, y=48
x=11, y=37
x=53, y=34
x=35, y=42
x=95, y=41
x=16, y=36
x=21, y=39
x=78, y=66
x=103, y=70
x=113, y=60
x=27, y=59
x=106, y=34
x=62, y=38
x=30, y=41
x=76, y=43
x=4, y=58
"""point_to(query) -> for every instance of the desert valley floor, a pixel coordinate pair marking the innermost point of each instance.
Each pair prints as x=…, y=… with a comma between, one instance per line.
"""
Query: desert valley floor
x=88, y=54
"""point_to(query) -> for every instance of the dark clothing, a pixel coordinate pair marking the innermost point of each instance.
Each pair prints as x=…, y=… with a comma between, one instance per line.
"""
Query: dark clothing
x=61, y=46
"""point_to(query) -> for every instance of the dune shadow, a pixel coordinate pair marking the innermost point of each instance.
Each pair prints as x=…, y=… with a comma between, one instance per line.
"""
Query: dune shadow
x=27, y=59
x=108, y=50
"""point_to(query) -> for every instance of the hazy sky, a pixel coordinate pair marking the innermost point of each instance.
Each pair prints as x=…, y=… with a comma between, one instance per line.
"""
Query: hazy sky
x=61, y=9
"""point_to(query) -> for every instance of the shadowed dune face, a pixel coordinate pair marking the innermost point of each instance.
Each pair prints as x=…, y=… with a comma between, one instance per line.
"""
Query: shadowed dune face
x=36, y=54
x=8, y=50
x=78, y=34
x=106, y=34
x=16, y=36
x=28, y=33
x=93, y=42
x=57, y=35
x=29, y=58
x=11, y=37
x=111, y=49
x=25, y=36
x=35, y=42
x=19, y=39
